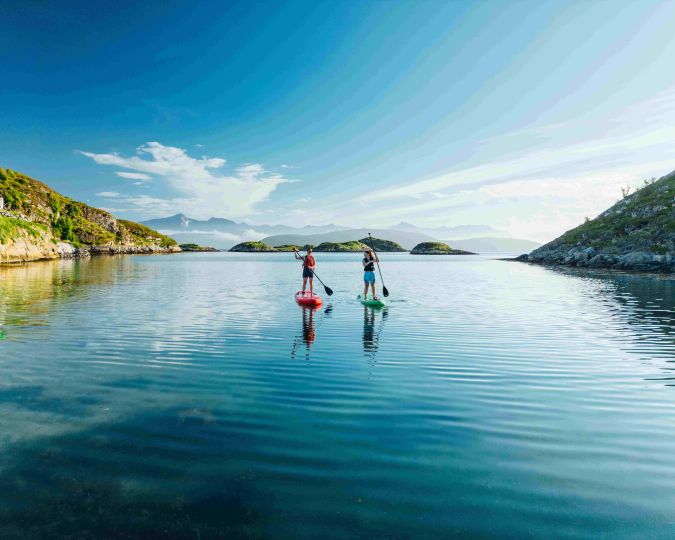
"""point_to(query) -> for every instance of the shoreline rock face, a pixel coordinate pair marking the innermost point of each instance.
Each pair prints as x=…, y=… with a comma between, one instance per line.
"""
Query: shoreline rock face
x=636, y=234
x=39, y=223
x=437, y=248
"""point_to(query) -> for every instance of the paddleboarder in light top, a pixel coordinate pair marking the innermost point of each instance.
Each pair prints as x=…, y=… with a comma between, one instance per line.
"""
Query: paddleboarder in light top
x=369, y=260
x=308, y=266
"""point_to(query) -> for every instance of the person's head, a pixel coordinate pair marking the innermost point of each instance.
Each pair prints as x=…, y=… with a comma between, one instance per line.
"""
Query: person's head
x=369, y=253
x=309, y=251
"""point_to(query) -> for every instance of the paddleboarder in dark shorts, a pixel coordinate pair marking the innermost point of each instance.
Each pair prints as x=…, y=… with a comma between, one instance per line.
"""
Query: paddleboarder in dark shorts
x=308, y=266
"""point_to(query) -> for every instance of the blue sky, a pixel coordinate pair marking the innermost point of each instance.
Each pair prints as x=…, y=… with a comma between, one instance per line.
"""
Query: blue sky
x=527, y=116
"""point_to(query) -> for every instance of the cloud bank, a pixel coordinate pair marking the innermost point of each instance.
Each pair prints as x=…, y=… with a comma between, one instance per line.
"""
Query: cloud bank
x=197, y=185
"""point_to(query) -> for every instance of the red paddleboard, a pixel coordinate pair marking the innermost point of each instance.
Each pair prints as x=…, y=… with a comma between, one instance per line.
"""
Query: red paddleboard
x=308, y=300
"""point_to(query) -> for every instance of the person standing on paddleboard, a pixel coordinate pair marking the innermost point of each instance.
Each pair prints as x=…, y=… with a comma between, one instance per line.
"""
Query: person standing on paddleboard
x=369, y=260
x=308, y=266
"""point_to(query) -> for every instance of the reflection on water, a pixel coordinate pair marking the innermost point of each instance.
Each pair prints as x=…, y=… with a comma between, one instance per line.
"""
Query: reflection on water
x=145, y=394
x=373, y=322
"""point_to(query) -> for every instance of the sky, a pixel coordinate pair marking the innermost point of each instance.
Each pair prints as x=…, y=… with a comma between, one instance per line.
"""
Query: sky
x=527, y=116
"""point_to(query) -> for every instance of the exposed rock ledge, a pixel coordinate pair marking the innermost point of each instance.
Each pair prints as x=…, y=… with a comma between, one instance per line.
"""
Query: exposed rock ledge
x=588, y=257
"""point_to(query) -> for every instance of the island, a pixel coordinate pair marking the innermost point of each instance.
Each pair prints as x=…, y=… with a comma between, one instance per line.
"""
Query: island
x=437, y=248
x=637, y=233
x=252, y=247
x=39, y=223
x=385, y=246
x=197, y=248
x=340, y=247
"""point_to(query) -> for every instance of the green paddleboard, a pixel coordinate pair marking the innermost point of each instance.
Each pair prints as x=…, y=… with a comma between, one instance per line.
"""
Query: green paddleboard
x=368, y=301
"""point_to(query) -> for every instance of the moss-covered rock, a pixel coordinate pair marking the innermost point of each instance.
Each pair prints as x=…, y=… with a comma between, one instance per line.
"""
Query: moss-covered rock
x=437, y=248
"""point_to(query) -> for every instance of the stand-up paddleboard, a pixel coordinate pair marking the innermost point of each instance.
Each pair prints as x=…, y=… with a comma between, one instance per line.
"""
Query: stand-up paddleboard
x=308, y=300
x=370, y=302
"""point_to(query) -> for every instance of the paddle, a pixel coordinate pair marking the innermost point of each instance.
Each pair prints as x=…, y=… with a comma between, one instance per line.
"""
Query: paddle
x=372, y=246
x=329, y=291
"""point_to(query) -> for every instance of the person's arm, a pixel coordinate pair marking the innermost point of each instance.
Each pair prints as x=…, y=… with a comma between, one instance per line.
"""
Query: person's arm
x=297, y=255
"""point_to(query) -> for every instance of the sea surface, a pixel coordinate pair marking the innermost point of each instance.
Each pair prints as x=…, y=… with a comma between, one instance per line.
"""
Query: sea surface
x=188, y=396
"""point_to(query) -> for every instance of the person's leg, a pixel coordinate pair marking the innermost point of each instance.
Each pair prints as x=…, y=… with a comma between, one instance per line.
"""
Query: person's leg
x=304, y=284
x=372, y=286
x=311, y=285
x=365, y=289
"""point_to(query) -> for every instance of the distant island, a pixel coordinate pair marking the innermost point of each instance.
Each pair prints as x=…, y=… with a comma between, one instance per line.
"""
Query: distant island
x=354, y=246
x=351, y=246
x=437, y=248
x=37, y=223
x=637, y=233
x=197, y=248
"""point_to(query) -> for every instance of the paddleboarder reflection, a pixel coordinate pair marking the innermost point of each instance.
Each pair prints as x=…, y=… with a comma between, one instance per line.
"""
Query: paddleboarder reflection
x=372, y=331
x=308, y=335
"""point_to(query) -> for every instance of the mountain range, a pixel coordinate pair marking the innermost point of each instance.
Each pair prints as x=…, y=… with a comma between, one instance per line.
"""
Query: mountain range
x=224, y=233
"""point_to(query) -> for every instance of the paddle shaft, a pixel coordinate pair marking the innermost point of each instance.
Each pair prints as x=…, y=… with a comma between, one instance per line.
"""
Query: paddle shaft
x=372, y=246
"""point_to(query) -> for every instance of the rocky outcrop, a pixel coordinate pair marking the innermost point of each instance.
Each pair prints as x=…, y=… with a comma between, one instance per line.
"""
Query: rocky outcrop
x=437, y=248
x=637, y=233
x=26, y=246
x=40, y=223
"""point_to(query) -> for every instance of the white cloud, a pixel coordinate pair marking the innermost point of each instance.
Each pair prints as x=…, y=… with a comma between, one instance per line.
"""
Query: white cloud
x=109, y=194
x=132, y=175
x=203, y=192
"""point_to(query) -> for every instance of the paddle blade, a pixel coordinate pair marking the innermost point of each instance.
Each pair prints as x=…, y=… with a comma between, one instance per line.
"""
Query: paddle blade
x=385, y=291
x=329, y=291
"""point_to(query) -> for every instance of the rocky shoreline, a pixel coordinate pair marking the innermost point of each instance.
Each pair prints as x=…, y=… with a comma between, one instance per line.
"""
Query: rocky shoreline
x=635, y=234
x=589, y=257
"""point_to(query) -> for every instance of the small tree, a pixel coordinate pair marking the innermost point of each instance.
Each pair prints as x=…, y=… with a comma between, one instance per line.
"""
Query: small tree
x=625, y=191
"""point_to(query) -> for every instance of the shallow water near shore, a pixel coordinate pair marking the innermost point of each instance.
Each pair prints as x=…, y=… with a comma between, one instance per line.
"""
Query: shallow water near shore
x=188, y=396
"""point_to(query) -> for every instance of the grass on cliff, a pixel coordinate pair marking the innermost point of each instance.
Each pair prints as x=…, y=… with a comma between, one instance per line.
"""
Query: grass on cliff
x=71, y=220
x=644, y=220
x=12, y=228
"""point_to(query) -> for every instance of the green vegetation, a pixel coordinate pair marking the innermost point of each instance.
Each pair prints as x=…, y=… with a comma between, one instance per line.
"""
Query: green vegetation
x=12, y=228
x=641, y=221
x=329, y=247
x=289, y=247
x=70, y=220
x=252, y=246
x=382, y=245
x=437, y=248
x=195, y=247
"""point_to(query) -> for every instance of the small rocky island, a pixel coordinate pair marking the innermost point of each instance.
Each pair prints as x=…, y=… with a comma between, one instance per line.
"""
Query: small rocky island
x=197, y=248
x=38, y=223
x=251, y=247
x=637, y=233
x=437, y=248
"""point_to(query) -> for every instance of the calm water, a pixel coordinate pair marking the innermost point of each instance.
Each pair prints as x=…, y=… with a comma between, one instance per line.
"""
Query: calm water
x=188, y=396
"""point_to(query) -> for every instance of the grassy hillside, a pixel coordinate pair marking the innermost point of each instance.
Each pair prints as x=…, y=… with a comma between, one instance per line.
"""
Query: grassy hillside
x=644, y=220
x=637, y=233
x=69, y=220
